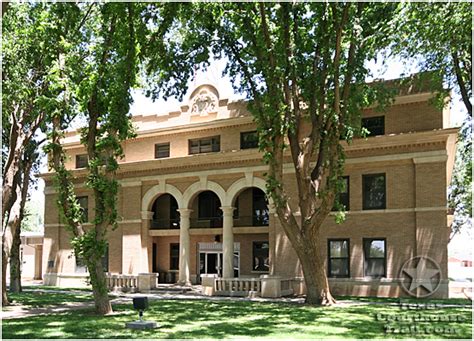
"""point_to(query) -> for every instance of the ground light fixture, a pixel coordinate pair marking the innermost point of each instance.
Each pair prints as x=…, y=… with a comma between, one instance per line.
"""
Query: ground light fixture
x=140, y=303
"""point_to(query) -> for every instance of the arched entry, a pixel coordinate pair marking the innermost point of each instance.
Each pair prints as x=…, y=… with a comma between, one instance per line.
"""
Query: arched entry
x=165, y=212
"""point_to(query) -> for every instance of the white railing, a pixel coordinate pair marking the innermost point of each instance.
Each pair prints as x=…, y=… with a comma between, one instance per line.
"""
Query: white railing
x=122, y=283
x=238, y=286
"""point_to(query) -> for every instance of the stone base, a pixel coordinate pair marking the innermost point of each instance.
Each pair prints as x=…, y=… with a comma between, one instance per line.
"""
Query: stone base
x=141, y=325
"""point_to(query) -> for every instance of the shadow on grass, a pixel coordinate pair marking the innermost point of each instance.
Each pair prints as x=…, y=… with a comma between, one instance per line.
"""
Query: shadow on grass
x=40, y=299
x=179, y=319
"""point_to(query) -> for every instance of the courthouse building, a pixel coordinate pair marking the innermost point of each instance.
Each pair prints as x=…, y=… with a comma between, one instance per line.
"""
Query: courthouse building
x=192, y=199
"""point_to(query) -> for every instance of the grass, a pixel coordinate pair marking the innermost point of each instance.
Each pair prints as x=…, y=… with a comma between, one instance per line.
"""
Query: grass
x=238, y=319
x=41, y=299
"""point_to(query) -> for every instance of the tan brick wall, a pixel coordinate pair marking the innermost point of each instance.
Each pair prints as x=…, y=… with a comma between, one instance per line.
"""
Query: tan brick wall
x=410, y=184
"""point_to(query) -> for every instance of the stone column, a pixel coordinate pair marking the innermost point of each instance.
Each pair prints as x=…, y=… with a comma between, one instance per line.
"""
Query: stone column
x=146, y=244
x=228, y=242
x=184, y=247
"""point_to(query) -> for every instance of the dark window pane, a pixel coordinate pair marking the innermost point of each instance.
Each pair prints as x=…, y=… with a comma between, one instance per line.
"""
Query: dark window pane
x=339, y=248
x=342, y=198
x=373, y=191
x=375, y=125
x=261, y=256
x=338, y=258
x=162, y=150
x=339, y=267
x=105, y=259
x=205, y=145
x=174, y=256
x=374, y=257
x=84, y=203
x=81, y=161
x=248, y=140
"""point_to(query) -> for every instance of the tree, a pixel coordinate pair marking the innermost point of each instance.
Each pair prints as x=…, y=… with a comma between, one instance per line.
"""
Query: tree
x=107, y=73
x=29, y=161
x=440, y=36
x=30, y=39
x=302, y=68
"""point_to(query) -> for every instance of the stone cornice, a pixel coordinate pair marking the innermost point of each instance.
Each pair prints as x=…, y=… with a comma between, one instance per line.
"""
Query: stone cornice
x=241, y=158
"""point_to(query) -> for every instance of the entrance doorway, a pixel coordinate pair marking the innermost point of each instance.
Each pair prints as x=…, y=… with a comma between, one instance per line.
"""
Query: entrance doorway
x=211, y=259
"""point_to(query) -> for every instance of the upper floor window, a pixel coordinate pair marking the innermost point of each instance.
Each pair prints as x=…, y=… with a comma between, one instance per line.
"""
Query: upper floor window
x=338, y=257
x=82, y=160
x=162, y=150
x=248, y=140
x=373, y=186
x=342, y=197
x=375, y=125
x=84, y=203
x=374, y=257
x=205, y=145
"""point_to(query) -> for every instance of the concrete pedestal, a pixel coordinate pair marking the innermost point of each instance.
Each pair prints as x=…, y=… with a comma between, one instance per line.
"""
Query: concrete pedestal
x=141, y=325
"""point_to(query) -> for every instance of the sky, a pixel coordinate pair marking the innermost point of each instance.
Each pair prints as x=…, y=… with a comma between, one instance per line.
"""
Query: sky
x=390, y=70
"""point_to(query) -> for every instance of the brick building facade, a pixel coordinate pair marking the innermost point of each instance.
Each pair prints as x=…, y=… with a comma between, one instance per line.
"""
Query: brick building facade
x=192, y=200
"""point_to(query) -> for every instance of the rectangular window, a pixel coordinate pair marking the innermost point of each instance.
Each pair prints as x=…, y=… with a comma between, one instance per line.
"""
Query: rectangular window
x=374, y=191
x=338, y=258
x=174, y=256
x=342, y=198
x=261, y=256
x=249, y=140
x=84, y=203
x=105, y=259
x=375, y=125
x=82, y=160
x=205, y=145
x=374, y=257
x=162, y=150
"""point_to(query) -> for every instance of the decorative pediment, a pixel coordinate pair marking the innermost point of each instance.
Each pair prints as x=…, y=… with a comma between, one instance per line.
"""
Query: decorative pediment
x=204, y=100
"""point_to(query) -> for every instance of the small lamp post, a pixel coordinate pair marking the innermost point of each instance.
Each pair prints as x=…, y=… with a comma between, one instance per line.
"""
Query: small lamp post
x=141, y=304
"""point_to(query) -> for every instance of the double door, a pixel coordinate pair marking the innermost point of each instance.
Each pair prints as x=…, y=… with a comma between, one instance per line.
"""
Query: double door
x=211, y=262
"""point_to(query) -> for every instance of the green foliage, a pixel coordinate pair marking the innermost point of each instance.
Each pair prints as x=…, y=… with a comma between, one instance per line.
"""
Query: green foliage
x=439, y=36
x=460, y=192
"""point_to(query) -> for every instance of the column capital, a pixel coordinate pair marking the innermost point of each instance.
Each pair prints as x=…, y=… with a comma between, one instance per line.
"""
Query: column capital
x=227, y=210
x=184, y=212
x=147, y=215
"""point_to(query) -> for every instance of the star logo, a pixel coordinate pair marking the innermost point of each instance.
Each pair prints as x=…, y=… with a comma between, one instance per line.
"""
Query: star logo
x=423, y=275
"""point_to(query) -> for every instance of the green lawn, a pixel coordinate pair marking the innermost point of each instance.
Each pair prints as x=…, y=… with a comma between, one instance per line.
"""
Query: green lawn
x=237, y=319
x=40, y=298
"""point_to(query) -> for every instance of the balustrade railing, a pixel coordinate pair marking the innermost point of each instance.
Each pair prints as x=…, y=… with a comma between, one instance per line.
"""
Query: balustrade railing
x=237, y=286
x=163, y=224
x=122, y=283
x=253, y=220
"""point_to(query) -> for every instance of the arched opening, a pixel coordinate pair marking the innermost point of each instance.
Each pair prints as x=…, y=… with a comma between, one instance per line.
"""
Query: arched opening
x=251, y=208
x=206, y=210
x=165, y=212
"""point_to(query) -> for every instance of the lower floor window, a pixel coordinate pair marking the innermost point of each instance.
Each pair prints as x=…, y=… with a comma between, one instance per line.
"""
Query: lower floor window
x=375, y=257
x=261, y=256
x=174, y=256
x=338, y=257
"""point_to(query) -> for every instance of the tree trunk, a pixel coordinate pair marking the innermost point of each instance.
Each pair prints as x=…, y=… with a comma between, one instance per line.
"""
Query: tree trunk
x=314, y=271
x=5, y=300
x=99, y=288
x=15, y=261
